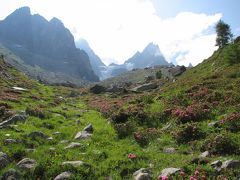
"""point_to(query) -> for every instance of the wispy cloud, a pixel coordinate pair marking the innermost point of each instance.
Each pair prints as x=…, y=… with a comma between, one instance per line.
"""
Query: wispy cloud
x=116, y=29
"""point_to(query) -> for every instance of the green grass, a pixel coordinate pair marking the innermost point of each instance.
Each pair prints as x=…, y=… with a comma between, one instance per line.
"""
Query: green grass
x=104, y=154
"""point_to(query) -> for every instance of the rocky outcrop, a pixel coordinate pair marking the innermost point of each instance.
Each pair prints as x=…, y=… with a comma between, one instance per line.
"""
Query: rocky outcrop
x=169, y=171
x=38, y=134
x=13, y=120
x=63, y=176
x=88, y=128
x=142, y=174
x=27, y=164
x=73, y=145
x=82, y=135
x=178, y=70
x=11, y=174
x=47, y=44
x=73, y=163
x=145, y=87
x=97, y=89
x=4, y=160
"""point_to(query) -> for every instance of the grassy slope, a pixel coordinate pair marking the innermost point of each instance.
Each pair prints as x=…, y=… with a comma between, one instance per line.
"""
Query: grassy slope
x=104, y=153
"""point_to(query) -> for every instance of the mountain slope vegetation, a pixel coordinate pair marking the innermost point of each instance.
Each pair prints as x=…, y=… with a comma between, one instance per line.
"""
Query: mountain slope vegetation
x=110, y=135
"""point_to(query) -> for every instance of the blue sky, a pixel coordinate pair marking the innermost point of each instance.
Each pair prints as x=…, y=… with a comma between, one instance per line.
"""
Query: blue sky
x=117, y=29
x=230, y=9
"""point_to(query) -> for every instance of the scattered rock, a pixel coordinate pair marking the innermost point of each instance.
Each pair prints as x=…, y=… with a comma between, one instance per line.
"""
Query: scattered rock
x=82, y=135
x=97, y=89
x=217, y=163
x=50, y=138
x=27, y=164
x=145, y=87
x=73, y=163
x=12, y=120
x=116, y=89
x=64, y=142
x=57, y=133
x=204, y=154
x=178, y=70
x=213, y=124
x=10, y=141
x=18, y=88
x=11, y=174
x=169, y=171
x=149, y=78
x=52, y=149
x=63, y=176
x=4, y=160
x=38, y=134
x=170, y=150
x=230, y=164
x=78, y=122
x=73, y=145
x=142, y=174
x=89, y=128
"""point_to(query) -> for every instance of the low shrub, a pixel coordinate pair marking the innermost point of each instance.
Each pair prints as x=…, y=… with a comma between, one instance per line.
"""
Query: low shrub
x=221, y=144
x=145, y=136
x=194, y=112
x=187, y=133
x=36, y=112
x=231, y=122
x=124, y=129
x=232, y=54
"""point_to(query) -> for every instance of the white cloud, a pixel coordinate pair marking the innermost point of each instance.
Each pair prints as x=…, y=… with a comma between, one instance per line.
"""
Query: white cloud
x=116, y=29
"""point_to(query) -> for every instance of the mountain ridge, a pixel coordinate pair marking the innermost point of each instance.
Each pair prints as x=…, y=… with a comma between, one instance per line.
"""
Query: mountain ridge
x=47, y=44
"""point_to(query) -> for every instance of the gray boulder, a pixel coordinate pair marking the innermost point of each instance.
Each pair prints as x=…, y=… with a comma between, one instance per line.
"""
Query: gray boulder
x=73, y=145
x=10, y=141
x=82, y=135
x=142, y=174
x=170, y=150
x=4, y=160
x=216, y=163
x=145, y=87
x=169, y=171
x=11, y=174
x=178, y=70
x=27, y=164
x=88, y=128
x=231, y=164
x=97, y=89
x=38, y=134
x=63, y=176
x=204, y=154
x=13, y=120
x=115, y=89
x=73, y=163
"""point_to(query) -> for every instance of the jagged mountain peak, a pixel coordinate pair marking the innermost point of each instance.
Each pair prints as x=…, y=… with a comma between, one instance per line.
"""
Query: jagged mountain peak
x=47, y=44
x=57, y=22
x=153, y=49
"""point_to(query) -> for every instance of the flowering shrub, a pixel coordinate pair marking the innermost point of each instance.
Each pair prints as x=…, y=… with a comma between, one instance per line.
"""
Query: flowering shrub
x=132, y=156
x=37, y=112
x=143, y=137
x=193, y=112
x=124, y=129
x=221, y=144
x=188, y=132
x=231, y=122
